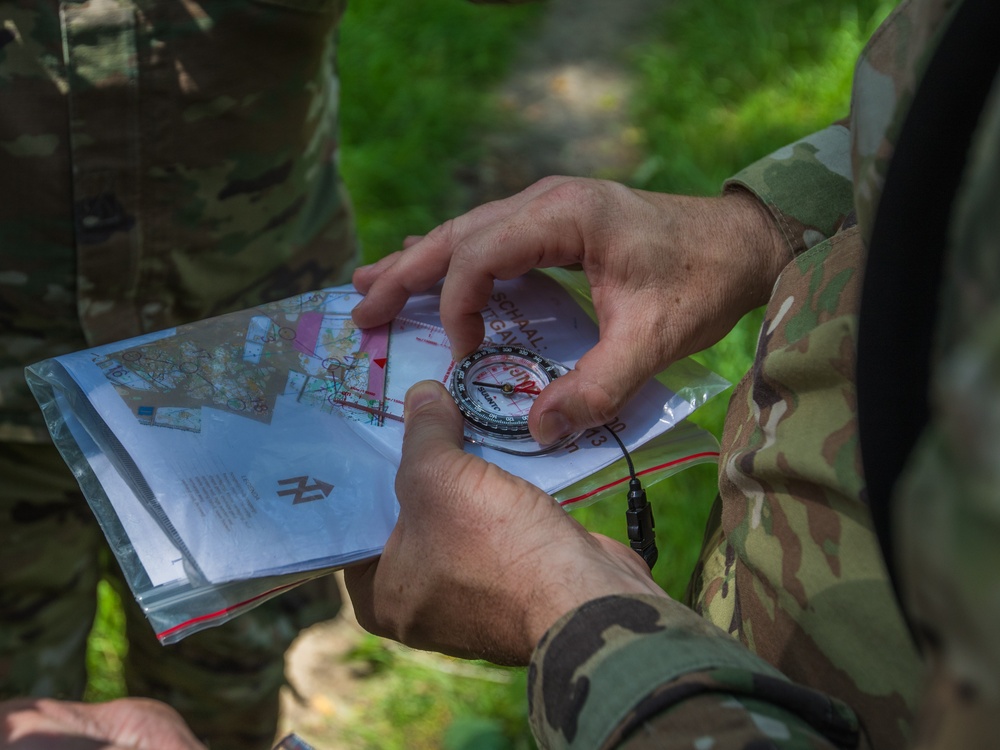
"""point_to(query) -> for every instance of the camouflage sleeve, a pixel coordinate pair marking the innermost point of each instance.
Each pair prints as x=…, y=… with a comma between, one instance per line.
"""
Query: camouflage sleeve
x=806, y=185
x=643, y=671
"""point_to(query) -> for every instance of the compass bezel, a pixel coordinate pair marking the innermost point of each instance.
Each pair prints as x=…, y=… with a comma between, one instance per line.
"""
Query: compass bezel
x=504, y=427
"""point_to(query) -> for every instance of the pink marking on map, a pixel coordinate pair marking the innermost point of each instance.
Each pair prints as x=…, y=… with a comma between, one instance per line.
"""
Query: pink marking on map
x=307, y=332
x=375, y=341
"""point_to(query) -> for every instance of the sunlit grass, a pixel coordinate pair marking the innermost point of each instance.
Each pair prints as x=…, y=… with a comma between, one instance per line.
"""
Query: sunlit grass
x=415, y=700
x=106, y=648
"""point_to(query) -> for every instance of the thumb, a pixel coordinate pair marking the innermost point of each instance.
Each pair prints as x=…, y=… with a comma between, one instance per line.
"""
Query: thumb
x=594, y=392
x=433, y=426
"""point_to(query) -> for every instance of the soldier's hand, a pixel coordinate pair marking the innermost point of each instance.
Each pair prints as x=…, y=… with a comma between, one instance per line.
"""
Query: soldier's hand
x=670, y=275
x=126, y=724
x=480, y=563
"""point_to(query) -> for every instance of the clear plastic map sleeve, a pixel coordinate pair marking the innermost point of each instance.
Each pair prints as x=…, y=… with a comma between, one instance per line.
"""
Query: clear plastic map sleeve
x=230, y=459
x=679, y=448
x=175, y=608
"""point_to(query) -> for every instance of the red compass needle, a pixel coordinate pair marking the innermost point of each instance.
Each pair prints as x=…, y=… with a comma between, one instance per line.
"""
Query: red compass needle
x=529, y=387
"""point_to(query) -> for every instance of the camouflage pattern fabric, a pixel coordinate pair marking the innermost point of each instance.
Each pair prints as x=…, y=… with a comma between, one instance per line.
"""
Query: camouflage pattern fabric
x=161, y=162
x=797, y=573
x=947, y=502
x=790, y=567
x=638, y=644
x=49, y=569
x=806, y=186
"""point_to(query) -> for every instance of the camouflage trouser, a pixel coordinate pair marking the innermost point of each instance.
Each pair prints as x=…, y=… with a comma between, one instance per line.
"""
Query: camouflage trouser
x=224, y=680
x=791, y=565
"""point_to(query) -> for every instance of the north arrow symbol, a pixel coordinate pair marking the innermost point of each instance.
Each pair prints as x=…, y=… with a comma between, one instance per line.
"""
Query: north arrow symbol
x=302, y=489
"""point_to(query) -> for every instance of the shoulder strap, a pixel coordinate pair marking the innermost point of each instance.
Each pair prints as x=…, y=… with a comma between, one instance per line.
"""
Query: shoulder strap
x=900, y=290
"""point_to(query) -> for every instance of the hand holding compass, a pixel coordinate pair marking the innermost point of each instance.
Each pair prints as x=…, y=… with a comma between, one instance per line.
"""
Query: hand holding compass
x=670, y=275
x=481, y=563
x=495, y=388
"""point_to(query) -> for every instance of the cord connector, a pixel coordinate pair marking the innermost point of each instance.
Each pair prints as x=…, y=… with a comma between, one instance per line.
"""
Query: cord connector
x=640, y=523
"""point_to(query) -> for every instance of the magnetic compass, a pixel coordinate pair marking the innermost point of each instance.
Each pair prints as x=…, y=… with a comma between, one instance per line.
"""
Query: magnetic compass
x=495, y=388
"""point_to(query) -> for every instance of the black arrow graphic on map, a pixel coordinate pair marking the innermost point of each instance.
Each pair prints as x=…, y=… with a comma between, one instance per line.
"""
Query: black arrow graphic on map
x=302, y=489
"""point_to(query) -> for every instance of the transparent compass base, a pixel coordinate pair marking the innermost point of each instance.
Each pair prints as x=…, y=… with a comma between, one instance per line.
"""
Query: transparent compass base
x=525, y=446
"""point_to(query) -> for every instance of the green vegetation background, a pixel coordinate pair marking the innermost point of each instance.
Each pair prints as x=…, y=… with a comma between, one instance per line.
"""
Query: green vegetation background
x=718, y=85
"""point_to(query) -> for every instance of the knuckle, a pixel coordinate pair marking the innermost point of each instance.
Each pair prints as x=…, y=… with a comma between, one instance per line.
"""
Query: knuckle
x=580, y=192
x=589, y=194
x=603, y=403
x=428, y=472
x=548, y=183
x=442, y=232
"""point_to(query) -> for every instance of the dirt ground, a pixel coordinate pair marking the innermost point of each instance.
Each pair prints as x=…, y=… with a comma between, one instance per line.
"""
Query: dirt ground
x=567, y=93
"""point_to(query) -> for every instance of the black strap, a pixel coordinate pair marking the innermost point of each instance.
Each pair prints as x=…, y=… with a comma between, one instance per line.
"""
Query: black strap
x=900, y=293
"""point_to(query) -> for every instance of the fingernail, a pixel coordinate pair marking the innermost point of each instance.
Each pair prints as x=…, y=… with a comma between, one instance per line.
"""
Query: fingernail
x=422, y=393
x=552, y=427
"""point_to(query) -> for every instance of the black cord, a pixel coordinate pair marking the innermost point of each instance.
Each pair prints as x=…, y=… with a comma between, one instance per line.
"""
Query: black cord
x=639, y=516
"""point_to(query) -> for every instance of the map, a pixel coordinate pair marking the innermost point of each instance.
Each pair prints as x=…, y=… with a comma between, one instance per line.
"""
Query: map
x=306, y=348
x=218, y=448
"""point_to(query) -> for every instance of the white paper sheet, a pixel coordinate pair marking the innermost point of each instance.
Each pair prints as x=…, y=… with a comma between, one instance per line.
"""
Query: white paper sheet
x=266, y=441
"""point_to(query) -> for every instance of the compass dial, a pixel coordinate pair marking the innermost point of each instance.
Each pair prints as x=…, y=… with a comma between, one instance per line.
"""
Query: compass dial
x=496, y=386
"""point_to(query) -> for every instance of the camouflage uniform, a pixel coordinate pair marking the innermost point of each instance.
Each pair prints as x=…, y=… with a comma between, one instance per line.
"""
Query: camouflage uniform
x=806, y=646
x=160, y=162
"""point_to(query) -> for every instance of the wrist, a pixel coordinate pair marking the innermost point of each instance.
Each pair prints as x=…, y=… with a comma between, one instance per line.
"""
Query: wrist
x=563, y=591
x=759, y=238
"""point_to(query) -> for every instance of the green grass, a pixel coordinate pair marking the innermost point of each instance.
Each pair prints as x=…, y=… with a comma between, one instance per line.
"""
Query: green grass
x=728, y=82
x=413, y=700
x=414, y=83
x=719, y=85
x=106, y=648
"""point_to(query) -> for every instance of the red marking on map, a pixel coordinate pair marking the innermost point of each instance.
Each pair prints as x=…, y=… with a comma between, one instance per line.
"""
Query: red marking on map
x=375, y=341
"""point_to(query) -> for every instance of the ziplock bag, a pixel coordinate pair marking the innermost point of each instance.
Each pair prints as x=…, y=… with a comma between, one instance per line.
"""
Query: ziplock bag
x=232, y=458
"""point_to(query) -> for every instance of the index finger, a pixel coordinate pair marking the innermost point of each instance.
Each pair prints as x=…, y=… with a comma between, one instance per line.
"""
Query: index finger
x=542, y=233
x=390, y=282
